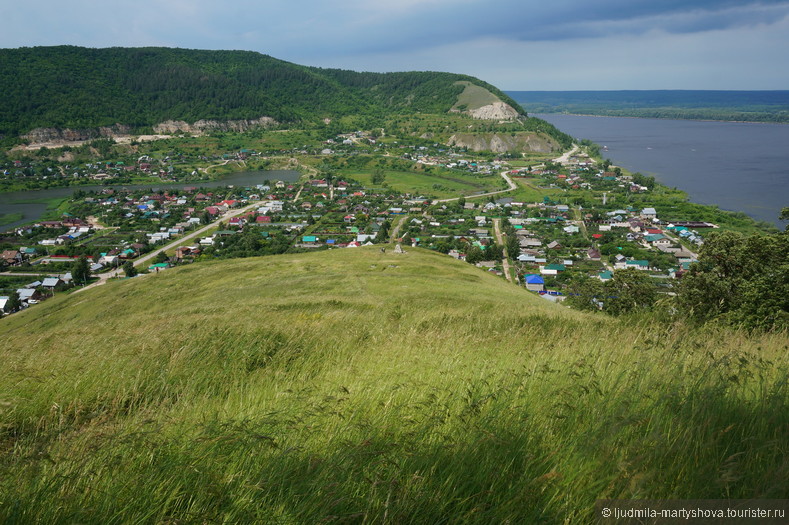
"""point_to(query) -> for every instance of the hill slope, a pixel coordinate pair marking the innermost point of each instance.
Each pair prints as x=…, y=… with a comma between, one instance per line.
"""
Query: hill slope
x=73, y=87
x=355, y=386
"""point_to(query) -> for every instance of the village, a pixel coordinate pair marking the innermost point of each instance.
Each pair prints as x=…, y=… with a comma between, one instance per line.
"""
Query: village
x=580, y=226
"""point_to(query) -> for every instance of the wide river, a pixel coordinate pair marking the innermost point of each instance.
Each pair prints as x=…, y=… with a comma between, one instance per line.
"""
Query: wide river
x=738, y=166
x=31, y=204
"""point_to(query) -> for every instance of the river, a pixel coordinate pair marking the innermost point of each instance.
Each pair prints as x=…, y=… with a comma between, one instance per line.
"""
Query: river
x=33, y=203
x=738, y=166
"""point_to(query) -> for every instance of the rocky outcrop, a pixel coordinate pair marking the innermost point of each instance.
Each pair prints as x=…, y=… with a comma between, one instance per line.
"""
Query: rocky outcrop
x=44, y=135
x=56, y=135
x=505, y=142
x=495, y=111
x=176, y=126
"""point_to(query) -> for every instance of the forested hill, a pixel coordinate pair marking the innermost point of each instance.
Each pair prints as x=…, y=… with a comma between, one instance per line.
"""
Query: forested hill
x=74, y=87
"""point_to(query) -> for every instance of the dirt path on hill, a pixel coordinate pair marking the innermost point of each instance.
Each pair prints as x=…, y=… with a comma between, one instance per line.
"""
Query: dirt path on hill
x=505, y=263
x=205, y=170
x=396, y=229
x=510, y=187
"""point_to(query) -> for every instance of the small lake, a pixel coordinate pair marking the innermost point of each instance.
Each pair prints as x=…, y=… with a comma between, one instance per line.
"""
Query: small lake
x=739, y=166
x=30, y=203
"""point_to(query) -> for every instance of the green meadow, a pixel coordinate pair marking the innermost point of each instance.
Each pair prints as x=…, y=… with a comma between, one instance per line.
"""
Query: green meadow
x=8, y=218
x=354, y=386
x=529, y=190
x=439, y=185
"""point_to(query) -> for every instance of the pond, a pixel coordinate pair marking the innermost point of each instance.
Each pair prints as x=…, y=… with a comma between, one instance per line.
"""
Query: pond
x=33, y=203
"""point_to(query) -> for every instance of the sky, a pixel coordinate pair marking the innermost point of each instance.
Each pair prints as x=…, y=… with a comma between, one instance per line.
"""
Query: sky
x=513, y=44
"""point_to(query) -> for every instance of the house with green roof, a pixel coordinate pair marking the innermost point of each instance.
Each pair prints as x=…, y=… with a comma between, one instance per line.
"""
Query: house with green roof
x=552, y=269
x=638, y=264
x=654, y=237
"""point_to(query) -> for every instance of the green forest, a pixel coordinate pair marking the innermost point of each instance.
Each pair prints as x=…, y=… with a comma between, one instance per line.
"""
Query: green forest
x=81, y=88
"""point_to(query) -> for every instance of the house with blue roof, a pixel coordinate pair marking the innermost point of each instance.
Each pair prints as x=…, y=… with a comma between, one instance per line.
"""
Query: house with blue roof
x=535, y=283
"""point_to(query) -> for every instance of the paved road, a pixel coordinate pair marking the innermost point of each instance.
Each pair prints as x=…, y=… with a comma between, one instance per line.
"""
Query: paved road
x=177, y=242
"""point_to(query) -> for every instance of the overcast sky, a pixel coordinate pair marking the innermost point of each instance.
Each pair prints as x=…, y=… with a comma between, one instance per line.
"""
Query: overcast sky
x=513, y=44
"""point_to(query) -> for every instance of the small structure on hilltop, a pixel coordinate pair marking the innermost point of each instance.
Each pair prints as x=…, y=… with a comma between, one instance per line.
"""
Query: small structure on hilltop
x=398, y=248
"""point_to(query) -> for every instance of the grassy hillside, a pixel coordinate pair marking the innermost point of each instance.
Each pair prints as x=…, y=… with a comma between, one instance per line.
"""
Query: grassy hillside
x=74, y=87
x=355, y=386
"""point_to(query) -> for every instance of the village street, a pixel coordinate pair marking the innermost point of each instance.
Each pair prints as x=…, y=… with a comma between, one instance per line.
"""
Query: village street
x=103, y=277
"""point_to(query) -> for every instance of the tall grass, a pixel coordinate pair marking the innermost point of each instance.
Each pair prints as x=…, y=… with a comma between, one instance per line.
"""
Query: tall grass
x=360, y=387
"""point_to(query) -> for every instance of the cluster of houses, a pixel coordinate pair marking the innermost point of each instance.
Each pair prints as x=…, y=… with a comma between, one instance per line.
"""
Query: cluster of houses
x=551, y=243
x=553, y=239
x=36, y=291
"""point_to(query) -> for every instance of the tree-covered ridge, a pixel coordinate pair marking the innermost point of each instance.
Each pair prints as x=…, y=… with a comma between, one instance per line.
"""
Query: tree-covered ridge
x=425, y=91
x=74, y=87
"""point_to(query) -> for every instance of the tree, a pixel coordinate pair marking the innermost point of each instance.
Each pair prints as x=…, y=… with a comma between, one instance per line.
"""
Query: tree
x=474, y=255
x=378, y=176
x=80, y=270
x=585, y=293
x=160, y=258
x=129, y=269
x=14, y=303
x=383, y=234
x=739, y=280
x=630, y=290
x=493, y=252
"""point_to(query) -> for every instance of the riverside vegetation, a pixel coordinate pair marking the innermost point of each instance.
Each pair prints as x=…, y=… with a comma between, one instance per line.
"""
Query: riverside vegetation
x=358, y=386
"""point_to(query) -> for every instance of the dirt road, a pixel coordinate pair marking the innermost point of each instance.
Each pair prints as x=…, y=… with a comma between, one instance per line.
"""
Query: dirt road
x=510, y=186
x=565, y=158
x=103, y=277
x=505, y=263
